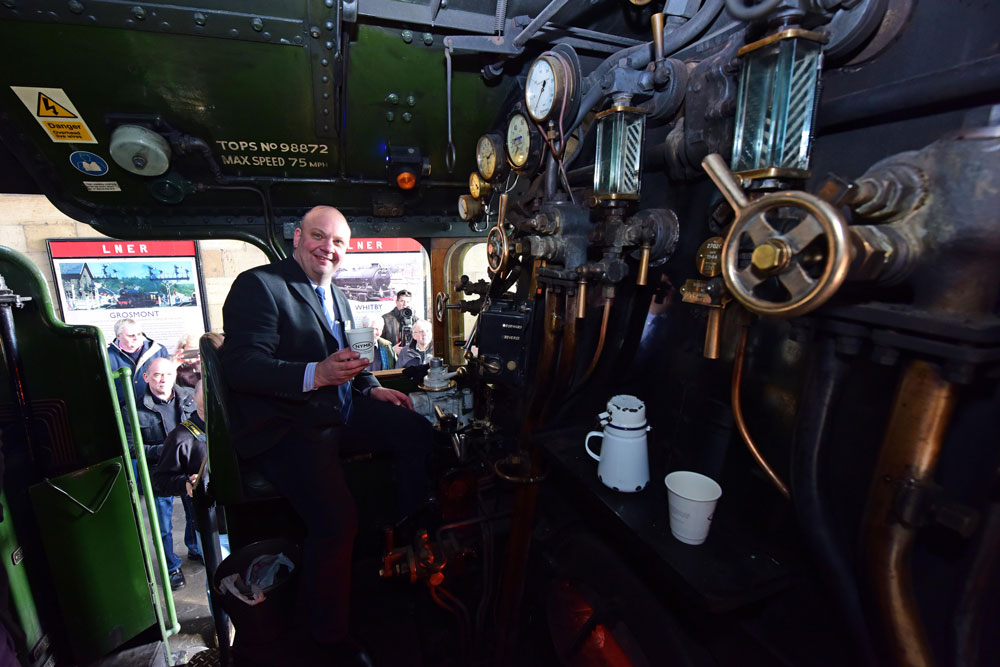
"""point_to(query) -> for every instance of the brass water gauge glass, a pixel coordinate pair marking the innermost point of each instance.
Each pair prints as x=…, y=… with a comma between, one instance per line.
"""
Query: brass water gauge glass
x=618, y=165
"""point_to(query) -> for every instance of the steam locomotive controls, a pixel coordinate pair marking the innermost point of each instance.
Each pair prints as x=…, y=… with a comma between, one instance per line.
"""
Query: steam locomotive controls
x=479, y=188
x=489, y=151
x=549, y=86
x=807, y=280
x=519, y=140
x=469, y=208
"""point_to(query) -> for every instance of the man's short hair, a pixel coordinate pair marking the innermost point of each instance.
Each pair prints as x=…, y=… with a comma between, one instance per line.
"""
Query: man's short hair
x=423, y=324
x=121, y=324
x=403, y=292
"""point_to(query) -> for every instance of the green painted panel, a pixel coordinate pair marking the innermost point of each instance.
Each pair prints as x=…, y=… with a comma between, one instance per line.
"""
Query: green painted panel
x=381, y=63
x=91, y=541
x=21, y=597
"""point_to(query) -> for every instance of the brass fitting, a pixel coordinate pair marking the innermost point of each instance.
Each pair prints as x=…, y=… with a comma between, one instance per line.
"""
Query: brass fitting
x=772, y=256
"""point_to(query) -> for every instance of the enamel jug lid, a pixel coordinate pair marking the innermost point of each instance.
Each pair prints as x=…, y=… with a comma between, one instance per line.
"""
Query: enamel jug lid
x=625, y=411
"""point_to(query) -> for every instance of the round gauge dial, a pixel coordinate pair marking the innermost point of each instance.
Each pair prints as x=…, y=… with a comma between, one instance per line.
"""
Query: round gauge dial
x=469, y=208
x=478, y=188
x=518, y=140
x=488, y=151
x=546, y=86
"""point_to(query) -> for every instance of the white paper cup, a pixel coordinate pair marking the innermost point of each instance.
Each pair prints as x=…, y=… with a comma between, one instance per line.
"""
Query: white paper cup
x=691, y=498
x=362, y=341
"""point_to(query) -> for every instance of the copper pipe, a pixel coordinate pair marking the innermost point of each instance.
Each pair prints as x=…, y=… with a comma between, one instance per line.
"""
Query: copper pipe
x=600, y=341
x=502, y=209
x=741, y=350
x=643, y=276
x=581, y=299
x=712, y=332
x=910, y=450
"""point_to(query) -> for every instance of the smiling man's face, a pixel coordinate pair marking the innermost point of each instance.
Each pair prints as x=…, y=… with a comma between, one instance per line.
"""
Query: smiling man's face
x=320, y=243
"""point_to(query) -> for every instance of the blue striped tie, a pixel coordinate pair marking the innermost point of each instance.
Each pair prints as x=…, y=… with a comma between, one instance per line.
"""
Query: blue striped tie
x=344, y=390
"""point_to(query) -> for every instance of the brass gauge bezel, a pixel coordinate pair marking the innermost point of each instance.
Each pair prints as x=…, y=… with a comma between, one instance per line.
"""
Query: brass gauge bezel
x=533, y=154
x=479, y=188
x=490, y=143
x=564, y=64
x=538, y=80
x=469, y=208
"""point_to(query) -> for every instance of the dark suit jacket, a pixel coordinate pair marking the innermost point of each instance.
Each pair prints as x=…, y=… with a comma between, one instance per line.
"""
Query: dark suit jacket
x=274, y=327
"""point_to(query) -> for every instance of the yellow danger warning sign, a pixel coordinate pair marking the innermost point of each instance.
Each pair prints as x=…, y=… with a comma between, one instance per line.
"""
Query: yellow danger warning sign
x=54, y=111
x=49, y=109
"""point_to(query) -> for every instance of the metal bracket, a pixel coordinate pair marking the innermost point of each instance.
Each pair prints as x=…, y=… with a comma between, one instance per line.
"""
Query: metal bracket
x=920, y=503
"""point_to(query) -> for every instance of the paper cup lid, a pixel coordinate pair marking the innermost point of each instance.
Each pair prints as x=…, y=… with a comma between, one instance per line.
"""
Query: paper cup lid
x=626, y=411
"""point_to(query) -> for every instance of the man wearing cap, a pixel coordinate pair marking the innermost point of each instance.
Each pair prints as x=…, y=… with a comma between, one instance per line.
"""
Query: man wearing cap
x=299, y=395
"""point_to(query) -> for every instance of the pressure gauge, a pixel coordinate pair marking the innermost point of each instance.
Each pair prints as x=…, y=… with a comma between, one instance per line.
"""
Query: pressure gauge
x=469, y=208
x=550, y=81
x=479, y=188
x=489, y=148
x=518, y=140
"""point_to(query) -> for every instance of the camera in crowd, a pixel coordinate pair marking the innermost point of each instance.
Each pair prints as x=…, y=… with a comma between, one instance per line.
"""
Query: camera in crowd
x=407, y=328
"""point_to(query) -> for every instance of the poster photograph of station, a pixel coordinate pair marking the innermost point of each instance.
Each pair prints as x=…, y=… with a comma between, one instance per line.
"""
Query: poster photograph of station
x=156, y=283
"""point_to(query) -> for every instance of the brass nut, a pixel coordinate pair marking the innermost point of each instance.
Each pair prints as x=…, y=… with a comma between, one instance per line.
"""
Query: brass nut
x=770, y=256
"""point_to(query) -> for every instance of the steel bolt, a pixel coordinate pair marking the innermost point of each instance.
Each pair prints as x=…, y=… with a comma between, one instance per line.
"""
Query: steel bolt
x=326, y=112
x=328, y=3
x=325, y=62
x=139, y=13
x=407, y=116
x=234, y=33
x=329, y=25
x=407, y=36
x=257, y=24
x=411, y=100
x=428, y=38
x=200, y=18
x=76, y=6
x=390, y=116
x=139, y=162
x=314, y=32
x=392, y=98
x=329, y=46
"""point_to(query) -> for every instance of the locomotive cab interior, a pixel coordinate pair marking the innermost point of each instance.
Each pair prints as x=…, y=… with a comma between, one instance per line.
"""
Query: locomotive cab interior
x=763, y=233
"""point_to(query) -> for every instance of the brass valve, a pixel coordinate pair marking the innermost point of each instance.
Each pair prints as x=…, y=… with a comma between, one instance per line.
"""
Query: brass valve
x=777, y=254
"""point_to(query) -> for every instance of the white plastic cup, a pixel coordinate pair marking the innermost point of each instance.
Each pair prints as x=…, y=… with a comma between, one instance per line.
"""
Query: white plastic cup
x=362, y=341
x=691, y=498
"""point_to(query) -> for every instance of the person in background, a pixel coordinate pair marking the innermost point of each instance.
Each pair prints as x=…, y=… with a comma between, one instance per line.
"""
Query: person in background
x=132, y=349
x=385, y=357
x=394, y=320
x=188, y=361
x=163, y=407
x=421, y=349
x=184, y=452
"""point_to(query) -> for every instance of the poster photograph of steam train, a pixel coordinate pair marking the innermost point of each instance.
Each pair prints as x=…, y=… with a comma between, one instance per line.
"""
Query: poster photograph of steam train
x=375, y=269
x=155, y=283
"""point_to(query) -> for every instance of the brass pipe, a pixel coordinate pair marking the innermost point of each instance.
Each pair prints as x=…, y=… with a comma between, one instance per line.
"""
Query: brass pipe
x=600, y=341
x=657, y=20
x=643, y=276
x=581, y=299
x=738, y=415
x=712, y=331
x=502, y=209
x=716, y=168
x=911, y=447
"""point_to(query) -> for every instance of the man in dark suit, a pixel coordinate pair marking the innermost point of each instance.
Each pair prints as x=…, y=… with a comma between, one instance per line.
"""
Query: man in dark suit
x=299, y=395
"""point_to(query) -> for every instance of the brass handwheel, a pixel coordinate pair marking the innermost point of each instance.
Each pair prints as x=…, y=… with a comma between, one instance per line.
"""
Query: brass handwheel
x=780, y=254
x=497, y=249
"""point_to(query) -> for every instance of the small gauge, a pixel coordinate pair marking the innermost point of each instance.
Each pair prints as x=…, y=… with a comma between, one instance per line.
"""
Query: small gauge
x=547, y=86
x=469, y=208
x=479, y=188
x=489, y=148
x=518, y=140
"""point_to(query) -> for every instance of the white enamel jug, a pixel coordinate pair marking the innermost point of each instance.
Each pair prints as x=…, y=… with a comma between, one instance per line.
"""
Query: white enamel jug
x=624, y=461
